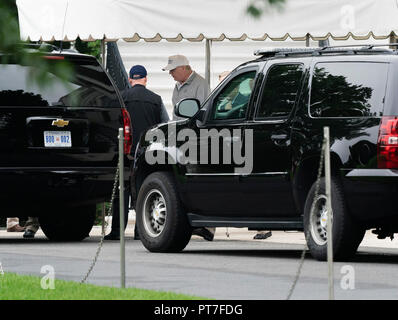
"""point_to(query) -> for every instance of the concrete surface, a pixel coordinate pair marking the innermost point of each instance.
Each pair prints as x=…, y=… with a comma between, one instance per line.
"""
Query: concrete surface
x=234, y=267
x=287, y=237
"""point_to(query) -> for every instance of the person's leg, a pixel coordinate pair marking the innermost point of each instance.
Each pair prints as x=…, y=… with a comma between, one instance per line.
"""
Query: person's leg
x=12, y=222
x=136, y=235
x=205, y=233
x=115, y=232
x=13, y=225
x=31, y=226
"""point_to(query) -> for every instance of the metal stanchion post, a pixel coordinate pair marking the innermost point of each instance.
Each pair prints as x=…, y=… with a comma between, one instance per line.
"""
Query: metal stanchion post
x=330, y=213
x=121, y=209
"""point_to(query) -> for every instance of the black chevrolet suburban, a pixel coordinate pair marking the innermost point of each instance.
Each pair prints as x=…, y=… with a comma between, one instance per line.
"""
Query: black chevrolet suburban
x=58, y=141
x=270, y=114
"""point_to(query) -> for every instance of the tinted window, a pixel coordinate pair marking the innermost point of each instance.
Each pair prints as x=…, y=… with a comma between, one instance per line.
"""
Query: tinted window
x=348, y=89
x=233, y=100
x=280, y=90
x=88, y=87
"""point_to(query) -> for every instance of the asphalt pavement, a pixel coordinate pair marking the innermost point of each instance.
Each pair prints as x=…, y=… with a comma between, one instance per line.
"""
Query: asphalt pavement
x=234, y=266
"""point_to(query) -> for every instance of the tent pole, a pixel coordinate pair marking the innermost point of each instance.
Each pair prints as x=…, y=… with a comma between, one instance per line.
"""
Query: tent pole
x=393, y=39
x=208, y=59
x=307, y=40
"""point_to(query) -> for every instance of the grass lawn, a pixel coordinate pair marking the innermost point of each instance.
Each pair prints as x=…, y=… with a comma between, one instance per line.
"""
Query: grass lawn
x=17, y=287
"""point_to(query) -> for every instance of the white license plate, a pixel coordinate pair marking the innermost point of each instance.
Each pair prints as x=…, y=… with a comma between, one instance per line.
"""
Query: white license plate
x=57, y=139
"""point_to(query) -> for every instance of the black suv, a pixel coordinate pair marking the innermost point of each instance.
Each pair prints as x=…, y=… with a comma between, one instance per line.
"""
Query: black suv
x=273, y=110
x=58, y=141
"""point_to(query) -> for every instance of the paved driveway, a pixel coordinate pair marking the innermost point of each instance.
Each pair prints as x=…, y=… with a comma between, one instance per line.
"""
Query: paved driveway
x=227, y=268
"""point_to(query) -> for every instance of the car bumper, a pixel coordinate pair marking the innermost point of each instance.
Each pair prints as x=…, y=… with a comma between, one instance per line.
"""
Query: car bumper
x=27, y=189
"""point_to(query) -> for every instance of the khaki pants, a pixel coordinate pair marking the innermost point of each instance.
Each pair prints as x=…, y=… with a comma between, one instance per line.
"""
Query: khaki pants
x=12, y=222
x=32, y=223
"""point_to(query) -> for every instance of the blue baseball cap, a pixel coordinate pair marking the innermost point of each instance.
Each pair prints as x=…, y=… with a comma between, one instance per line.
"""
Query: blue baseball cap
x=138, y=72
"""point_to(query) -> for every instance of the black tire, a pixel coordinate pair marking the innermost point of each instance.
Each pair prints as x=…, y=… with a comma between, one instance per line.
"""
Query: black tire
x=162, y=224
x=71, y=224
x=347, y=233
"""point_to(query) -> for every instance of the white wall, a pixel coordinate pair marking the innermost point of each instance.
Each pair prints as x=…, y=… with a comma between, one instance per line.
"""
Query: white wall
x=226, y=55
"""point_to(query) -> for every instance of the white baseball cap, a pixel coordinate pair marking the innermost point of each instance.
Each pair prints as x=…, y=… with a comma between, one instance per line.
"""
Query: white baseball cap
x=176, y=61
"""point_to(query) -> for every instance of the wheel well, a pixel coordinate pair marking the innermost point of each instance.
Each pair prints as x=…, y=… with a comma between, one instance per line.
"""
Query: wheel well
x=145, y=170
x=306, y=174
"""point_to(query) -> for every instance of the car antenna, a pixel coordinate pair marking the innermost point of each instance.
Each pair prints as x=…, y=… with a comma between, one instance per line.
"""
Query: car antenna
x=63, y=25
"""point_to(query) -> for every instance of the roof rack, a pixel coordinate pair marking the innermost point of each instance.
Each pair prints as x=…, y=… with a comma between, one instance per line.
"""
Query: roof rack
x=348, y=49
x=365, y=46
x=283, y=51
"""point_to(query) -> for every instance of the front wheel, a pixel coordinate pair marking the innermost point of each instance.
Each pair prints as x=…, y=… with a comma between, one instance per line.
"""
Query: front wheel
x=162, y=224
x=347, y=233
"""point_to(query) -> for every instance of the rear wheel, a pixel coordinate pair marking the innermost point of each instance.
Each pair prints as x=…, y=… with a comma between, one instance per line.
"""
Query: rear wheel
x=162, y=224
x=68, y=224
x=347, y=233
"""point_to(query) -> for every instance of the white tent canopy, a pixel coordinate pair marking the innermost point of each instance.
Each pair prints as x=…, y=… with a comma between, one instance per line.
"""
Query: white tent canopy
x=195, y=20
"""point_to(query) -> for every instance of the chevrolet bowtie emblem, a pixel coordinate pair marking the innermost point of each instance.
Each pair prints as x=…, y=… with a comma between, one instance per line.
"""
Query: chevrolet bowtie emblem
x=60, y=123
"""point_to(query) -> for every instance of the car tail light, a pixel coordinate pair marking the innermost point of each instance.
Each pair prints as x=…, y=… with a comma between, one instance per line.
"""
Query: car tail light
x=128, y=137
x=387, y=145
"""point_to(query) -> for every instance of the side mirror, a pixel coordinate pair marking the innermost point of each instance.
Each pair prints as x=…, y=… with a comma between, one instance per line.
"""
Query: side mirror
x=187, y=108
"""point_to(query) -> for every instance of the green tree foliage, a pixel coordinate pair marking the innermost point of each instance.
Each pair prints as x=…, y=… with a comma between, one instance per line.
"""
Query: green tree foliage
x=257, y=8
x=12, y=49
x=9, y=29
x=92, y=48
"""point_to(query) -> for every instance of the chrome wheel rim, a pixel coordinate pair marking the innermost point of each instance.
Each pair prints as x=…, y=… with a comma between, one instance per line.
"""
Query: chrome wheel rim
x=154, y=213
x=318, y=220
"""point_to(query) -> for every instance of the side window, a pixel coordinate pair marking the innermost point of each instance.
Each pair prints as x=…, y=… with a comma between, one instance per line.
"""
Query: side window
x=348, y=89
x=280, y=90
x=232, y=102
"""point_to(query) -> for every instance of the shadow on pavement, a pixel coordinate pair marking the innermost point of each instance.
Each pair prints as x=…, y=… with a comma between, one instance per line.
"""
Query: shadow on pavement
x=370, y=256
x=270, y=250
x=266, y=253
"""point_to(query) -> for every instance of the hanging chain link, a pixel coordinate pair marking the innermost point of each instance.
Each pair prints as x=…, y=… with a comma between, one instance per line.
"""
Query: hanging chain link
x=115, y=185
x=317, y=185
x=104, y=225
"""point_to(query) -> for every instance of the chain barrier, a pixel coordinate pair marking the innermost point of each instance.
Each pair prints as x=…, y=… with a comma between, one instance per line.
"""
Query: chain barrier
x=302, y=258
x=320, y=168
x=104, y=225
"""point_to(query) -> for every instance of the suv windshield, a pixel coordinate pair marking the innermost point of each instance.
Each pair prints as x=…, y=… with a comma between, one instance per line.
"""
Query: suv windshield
x=88, y=87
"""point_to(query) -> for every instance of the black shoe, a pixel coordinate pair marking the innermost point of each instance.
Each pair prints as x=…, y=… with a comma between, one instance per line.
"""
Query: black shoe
x=112, y=236
x=203, y=232
x=262, y=235
x=29, y=234
x=136, y=235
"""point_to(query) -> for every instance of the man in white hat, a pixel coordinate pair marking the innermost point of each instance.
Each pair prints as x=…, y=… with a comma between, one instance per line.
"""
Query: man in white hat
x=189, y=84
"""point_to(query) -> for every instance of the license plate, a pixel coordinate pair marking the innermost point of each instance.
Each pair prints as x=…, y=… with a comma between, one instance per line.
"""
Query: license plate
x=57, y=139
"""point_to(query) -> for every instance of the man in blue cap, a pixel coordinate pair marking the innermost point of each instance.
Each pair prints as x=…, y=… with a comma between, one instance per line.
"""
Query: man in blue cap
x=146, y=109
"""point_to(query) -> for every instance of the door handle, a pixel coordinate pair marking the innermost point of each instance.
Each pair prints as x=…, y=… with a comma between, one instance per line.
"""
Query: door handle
x=279, y=137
